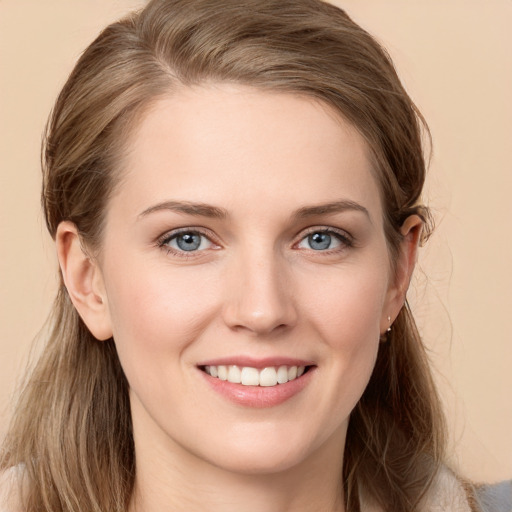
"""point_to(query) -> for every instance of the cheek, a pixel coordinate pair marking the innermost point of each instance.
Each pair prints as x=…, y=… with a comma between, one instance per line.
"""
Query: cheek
x=156, y=311
x=346, y=317
x=346, y=305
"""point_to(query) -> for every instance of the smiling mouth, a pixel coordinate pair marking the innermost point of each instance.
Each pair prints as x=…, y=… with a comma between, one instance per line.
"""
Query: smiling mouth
x=249, y=376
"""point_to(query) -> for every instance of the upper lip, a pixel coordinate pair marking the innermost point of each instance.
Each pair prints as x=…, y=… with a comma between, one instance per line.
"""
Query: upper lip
x=254, y=362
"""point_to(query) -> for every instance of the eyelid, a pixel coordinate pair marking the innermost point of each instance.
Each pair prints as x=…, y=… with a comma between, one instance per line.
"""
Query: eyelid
x=164, y=239
x=344, y=236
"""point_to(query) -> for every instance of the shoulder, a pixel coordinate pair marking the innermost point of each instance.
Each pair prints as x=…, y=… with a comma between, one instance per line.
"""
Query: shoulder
x=447, y=493
x=9, y=490
x=495, y=498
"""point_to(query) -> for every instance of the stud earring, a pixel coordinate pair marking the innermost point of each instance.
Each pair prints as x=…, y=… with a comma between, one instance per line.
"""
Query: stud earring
x=384, y=337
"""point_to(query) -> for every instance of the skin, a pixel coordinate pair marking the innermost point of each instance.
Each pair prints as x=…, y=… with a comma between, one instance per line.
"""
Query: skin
x=255, y=287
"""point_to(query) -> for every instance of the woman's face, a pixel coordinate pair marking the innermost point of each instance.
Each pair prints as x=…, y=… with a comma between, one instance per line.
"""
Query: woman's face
x=245, y=241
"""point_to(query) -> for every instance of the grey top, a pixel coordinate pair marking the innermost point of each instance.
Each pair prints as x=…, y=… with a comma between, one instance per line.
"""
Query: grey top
x=496, y=498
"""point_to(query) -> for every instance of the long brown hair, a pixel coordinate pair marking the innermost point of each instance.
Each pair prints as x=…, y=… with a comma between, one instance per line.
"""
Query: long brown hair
x=72, y=431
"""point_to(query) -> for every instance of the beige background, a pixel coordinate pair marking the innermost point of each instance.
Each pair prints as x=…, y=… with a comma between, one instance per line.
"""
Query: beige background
x=455, y=59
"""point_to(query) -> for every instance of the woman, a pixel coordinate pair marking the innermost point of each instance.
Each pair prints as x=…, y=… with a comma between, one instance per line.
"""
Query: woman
x=234, y=191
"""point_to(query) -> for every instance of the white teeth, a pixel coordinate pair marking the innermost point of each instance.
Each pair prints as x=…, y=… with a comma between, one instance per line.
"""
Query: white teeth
x=234, y=374
x=268, y=377
x=282, y=375
x=248, y=376
x=222, y=372
x=292, y=372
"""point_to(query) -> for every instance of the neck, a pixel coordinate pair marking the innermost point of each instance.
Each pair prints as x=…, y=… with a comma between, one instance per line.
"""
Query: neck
x=230, y=493
x=172, y=478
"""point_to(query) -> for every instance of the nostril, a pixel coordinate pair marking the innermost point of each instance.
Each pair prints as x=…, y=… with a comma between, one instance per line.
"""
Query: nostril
x=259, y=303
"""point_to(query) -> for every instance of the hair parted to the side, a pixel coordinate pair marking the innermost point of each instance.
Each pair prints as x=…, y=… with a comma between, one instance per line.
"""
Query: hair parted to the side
x=72, y=429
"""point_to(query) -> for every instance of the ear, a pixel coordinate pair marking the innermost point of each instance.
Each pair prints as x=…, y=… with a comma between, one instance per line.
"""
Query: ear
x=407, y=255
x=84, y=281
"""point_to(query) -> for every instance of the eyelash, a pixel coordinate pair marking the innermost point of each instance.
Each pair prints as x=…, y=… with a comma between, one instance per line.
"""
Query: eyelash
x=345, y=239
x=168, y=237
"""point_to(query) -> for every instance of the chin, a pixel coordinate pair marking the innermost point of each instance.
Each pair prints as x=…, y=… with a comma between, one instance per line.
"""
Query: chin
x=244, y=462
x=263, y=453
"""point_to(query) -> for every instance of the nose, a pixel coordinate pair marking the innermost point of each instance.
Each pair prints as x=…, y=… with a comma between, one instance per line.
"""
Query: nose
x=259, y=297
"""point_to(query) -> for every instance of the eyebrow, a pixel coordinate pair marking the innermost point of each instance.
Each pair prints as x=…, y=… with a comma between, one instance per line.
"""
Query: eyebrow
x=215, y=212
x=189, y=208
x=330, y=208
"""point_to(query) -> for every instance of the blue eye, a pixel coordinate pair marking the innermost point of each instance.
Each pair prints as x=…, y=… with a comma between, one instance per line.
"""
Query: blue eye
x=322, y=241
x=319, y=241
x=188, y=241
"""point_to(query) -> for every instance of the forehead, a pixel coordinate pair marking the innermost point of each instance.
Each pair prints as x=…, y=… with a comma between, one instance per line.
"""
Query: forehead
x=217, y=143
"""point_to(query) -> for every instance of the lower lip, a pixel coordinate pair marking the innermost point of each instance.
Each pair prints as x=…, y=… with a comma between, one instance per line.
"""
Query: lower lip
x=259, y=396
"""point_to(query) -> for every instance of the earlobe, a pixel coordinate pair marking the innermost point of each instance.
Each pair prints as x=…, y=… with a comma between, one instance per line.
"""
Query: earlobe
x=83, y=280
x=408, y=250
